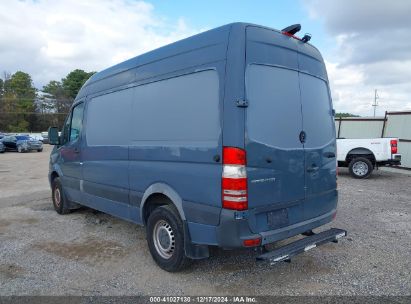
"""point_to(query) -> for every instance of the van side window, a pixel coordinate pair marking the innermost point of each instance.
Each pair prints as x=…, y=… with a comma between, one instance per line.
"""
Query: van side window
x=76, y=122
x=175, y=111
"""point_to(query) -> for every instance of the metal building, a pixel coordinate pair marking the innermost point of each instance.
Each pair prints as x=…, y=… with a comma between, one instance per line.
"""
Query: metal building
x=398, y=124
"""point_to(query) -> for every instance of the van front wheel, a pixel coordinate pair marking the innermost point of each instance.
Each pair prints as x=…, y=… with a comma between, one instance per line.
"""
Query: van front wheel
x=60, y=202
x=165, y=238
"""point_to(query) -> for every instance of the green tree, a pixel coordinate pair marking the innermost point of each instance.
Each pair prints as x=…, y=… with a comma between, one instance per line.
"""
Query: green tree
x=1, y=88
x=74, y=81
x=17, y=102
x=61, y=102
x=65, y=91
x=338, y=115
x=54, y=88
x=20, y=87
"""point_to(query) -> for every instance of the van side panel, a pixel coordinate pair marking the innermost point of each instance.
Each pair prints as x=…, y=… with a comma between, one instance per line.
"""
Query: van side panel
x=168, y=131
x=175, y=134
x=130, y=141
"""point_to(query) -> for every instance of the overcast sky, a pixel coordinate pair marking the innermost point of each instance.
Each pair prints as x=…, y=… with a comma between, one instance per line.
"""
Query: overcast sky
x=366, y=44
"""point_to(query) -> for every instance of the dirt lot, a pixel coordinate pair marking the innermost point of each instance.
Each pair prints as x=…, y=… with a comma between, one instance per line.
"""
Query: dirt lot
x=91, y=253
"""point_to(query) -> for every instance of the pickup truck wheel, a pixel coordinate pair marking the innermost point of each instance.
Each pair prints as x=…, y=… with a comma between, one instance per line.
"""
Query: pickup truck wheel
x=360, y=167
x=165, y=238
x=60, y=203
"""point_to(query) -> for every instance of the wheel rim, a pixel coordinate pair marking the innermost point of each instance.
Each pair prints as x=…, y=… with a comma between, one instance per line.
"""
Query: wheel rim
x=164, y=240
x=19, y=149
x=360, y=168
x=57, y=196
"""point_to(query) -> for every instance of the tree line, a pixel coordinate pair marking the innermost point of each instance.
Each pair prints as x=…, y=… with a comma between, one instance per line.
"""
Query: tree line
x=23, y=108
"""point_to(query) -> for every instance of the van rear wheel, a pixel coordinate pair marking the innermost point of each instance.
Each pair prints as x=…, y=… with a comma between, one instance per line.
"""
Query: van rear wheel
x=165, y=238
x=360, y=167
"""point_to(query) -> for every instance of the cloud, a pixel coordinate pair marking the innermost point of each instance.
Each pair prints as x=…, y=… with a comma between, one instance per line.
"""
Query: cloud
x=372, y=51
x=49, y=38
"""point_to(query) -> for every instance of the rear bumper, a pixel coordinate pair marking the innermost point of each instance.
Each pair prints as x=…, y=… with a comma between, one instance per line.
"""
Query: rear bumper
x=35, y=147
x=394, y=161
x=234, y=229
x=32, y=147
x=289, y=231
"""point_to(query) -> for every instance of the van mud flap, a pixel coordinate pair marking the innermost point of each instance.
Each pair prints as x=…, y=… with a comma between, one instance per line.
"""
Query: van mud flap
x=286, y=252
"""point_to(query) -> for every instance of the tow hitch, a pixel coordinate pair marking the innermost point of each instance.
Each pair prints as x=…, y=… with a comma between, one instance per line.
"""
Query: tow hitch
x=314, y=240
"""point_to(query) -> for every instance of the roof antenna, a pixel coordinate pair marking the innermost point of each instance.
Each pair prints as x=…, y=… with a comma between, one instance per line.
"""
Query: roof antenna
x=292, y=29
x=306, y=38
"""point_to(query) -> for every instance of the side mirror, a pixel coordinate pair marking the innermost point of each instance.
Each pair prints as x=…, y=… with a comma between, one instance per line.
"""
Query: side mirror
x=54, y=138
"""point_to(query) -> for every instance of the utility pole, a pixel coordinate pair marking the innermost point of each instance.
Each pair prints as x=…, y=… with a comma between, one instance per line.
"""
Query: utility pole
x=375, y=104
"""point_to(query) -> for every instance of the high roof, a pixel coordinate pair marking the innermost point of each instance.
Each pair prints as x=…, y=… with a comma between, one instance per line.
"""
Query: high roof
x=211, y=45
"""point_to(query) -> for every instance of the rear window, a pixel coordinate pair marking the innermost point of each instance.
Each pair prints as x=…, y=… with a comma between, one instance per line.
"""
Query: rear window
x=317, y=111
x=282, y=103
x=274, y=111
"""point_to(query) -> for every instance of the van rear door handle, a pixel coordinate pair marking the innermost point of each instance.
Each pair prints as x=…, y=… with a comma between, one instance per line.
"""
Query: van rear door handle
x=329, y=154
x=313, y=168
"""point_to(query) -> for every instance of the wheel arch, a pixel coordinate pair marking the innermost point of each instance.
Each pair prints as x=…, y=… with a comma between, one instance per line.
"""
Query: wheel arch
x=360, y=151
x=53, y=175
x=54, y=172
x=160, y=194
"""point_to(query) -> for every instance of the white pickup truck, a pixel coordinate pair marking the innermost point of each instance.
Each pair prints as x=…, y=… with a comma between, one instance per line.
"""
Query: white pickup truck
x=361, y=156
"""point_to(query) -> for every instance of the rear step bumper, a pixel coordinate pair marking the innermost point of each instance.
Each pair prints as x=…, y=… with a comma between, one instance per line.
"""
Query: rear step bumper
x=286, y=252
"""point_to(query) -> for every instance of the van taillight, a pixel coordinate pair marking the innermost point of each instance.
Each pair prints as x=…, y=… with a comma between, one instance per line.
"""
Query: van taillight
x=234, y=179
x=394, y=147
x=252, y=242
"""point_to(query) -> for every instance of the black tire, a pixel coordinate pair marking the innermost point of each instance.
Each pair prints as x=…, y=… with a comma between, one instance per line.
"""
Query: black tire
x=360, y=167
x=168, y=219
x=60, y=202
x=40, y=150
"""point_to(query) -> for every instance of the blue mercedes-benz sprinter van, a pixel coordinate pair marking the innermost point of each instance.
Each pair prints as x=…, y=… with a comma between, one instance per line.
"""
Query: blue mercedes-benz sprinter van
x=222, y=139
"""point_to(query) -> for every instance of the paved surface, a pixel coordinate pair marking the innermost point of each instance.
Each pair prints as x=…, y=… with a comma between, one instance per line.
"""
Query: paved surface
x=91, y=253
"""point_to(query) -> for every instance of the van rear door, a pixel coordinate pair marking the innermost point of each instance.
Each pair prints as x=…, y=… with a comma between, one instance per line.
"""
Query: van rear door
x=289, y=129
x=275, y=152
x=320, y=146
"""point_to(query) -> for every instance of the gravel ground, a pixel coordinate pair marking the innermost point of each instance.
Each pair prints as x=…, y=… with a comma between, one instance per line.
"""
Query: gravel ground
x=91, y=253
